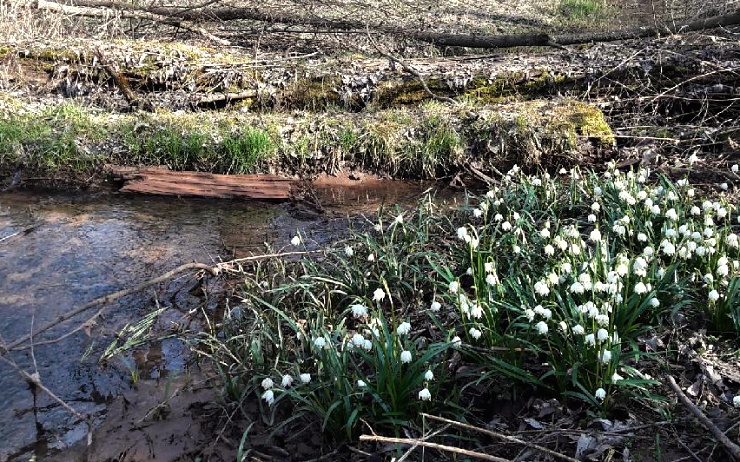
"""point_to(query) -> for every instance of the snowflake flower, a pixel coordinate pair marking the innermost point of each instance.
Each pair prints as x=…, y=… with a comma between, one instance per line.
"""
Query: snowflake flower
x=305, y=378
x=454, y=287
x=713, y=296
x=378, y=295
x=606, y=356
x=287, y=381
x=541, y=288
x=578, y=330
x=435, y=306
x=358, y=340
x=269, y=397
x=361, y=384
x=348, y=251
x=602, y=335
x=405, y=356
x=267, y=383
x=425, y=395
x=541, y=327
x=600, y=394
x=616, y=377
x=403, y=328
x=359, y=311
x=429, y=375
x=296, y=241
x=475, y=333
x=319, y=342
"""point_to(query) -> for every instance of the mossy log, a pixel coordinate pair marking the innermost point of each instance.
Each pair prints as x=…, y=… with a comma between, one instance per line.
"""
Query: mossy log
x=201, y=184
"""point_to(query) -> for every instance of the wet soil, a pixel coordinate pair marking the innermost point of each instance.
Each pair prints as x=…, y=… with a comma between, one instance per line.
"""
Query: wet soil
x=61, y=251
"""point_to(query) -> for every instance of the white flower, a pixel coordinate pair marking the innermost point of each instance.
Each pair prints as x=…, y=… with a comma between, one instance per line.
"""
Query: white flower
x=595, y=207
x=541, y=327
x=600, y=394
x=359, y=311
x=671, y=214
x=371, y=257
x=425, y=395
x=606, y=356
x=269, y=397
x=590, y=339
x=405, y=356
x=348, y=251
x=456, y=341
x=736, y=399
x=549, y=250
x=578, y=330
x=367, y=345
x=724, y=186
x=592, y=218
x=358, y=340
x=305, y=378
x=506, y=226
x=287, y=381
x=616, y=377
x=454, y=287
x=640, y=288
x=654, y=302
x=399, y=219
x=404, y=328
x=713, y=296
x=319, y=342
x=734, y=168
x=545, y=233
x=462, y=232
x=267, y=383
x=491, y=280
x=361, y=383
x=577, y=288
x=429, y=375
x=641, y=237
x=435, y=306
x=595, y=236
x=296, y=241
x=541, y=288
x=475, y=333
x=695, y=210
x=378, y=295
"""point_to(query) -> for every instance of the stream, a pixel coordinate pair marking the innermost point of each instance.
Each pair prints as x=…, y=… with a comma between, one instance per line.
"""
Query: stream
x=59, y=252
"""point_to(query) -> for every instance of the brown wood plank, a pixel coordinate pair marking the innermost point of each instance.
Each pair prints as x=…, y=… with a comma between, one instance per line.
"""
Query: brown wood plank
x=202, y=184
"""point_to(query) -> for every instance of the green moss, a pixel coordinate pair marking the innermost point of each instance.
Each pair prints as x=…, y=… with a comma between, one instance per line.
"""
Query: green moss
x=589, y=121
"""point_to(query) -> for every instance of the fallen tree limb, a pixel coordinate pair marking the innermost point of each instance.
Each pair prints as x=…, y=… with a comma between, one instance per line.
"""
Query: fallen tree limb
x=436, y=38
x=731, y=447
x=129, y=13
x=109, y=299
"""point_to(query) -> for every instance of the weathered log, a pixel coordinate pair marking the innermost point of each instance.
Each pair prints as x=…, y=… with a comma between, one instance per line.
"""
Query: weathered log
x=442, y=39
x=201, y=184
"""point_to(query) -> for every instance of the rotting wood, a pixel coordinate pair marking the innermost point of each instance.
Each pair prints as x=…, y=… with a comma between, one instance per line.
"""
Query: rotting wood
x=201, y=184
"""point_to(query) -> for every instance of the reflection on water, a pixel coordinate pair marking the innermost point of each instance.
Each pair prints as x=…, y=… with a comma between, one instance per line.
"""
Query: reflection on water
x=59, y=252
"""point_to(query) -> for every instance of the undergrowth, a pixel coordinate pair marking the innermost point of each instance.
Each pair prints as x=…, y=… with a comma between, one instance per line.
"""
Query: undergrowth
x=542, y=286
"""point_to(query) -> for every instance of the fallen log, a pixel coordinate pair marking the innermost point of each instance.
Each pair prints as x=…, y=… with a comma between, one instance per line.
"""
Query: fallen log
x=201, y=184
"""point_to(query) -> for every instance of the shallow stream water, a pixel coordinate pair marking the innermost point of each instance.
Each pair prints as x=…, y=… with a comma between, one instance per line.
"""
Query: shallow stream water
x=59, y=252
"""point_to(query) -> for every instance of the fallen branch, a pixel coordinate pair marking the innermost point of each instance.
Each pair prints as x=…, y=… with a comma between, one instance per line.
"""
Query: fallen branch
x=499, y=435
x=129, y=13
x=109, y=299
x=440, y=447
x=731, y=447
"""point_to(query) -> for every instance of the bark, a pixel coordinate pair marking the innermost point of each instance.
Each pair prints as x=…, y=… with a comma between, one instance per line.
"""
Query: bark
x=183, y=17
x=200, y=184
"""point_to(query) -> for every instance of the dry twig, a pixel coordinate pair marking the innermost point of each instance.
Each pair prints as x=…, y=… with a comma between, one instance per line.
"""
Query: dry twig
x=440, y=447
x=731, y=447
x=499, y=435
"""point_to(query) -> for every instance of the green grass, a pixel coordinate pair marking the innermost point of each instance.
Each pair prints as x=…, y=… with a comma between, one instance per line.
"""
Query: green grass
x=581, y=9
x=541, y=287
